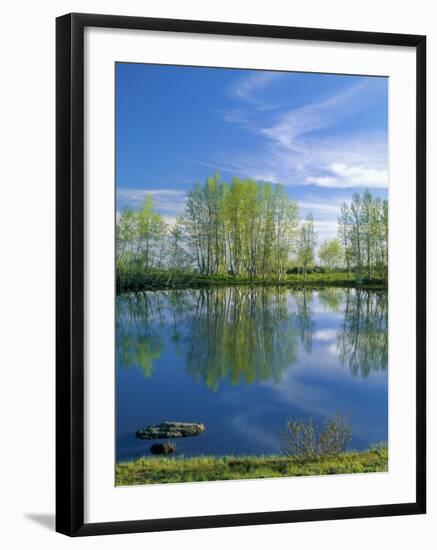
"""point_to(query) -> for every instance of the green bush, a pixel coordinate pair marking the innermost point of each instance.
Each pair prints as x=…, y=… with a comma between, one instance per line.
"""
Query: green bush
x=302, y=440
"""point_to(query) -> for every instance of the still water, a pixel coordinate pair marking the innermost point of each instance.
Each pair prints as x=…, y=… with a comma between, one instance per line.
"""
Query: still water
x=242, y=360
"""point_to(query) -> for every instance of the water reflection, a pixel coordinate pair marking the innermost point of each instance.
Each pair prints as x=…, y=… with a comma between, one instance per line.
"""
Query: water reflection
x=139, y=338
x=362, y=340
x=243, y=334
x=304, y=320
x=332, y=298
x=240, y=334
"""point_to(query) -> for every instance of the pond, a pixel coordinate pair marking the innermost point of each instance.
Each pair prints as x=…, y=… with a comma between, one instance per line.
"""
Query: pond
x=242, y=360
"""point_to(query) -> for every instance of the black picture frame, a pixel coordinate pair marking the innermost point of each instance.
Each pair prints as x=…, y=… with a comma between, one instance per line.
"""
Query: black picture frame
x=70, y=273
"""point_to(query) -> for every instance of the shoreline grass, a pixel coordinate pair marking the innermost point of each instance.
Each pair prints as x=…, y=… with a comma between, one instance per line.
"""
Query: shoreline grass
x=150, y=470
x=128, y=282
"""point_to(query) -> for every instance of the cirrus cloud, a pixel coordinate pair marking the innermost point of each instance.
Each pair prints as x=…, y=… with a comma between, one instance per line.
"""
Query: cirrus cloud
x=344, y=176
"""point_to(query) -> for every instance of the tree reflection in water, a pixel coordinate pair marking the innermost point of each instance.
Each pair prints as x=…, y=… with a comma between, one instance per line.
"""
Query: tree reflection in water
x=304, y=320
x=363, y=340
x=247, y=334
x=139, y=340
x=332, y=298
x=243, y=334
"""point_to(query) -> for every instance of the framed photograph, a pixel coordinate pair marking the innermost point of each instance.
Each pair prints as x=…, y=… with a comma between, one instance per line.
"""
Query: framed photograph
x=240, y=274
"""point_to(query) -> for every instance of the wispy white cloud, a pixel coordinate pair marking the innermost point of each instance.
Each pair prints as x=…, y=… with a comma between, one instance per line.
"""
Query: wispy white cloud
x=168, y=202
x=295, y=147
x=128, y=194
x=345, y=162
x=246, y=88
x=325, y=230
x=320, y=208
x=298, y=151
x=236, y=117
x=293, y=124
x=342, y=175
x=215, y=165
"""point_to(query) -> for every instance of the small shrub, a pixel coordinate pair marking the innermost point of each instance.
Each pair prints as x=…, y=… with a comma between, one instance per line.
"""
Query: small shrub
x=302, y=440
x=299, y=439
x=335, y=436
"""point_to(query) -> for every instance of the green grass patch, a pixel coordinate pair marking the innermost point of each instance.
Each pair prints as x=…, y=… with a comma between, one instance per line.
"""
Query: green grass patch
x=149, y=470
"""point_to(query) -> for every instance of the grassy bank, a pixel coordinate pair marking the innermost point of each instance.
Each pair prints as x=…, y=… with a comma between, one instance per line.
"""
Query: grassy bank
x=207, y=468
x=136, y=281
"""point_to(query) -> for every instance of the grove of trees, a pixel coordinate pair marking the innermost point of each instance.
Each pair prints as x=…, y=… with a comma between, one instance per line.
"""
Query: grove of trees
x=250, y=229
x=363, y=231
x=245, y=228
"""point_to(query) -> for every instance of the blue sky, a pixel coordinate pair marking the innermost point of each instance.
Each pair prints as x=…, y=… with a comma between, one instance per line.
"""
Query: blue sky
x=323, y=137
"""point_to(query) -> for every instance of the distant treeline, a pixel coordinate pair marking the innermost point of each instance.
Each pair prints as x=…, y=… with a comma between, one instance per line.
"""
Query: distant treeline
x=250, y=229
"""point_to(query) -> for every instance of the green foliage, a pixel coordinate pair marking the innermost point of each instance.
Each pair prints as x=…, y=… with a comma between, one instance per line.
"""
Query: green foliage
x=331, y=254
x=247, y=230
x=363, y=232
x=299, y=439
x=302, y=440
x=335, y=436
x=209, y=468
x=306, y=244
x=140, y=240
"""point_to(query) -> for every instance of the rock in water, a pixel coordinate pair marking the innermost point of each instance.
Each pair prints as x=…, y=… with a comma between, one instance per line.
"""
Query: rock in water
x=162, y=448
x=171, y=430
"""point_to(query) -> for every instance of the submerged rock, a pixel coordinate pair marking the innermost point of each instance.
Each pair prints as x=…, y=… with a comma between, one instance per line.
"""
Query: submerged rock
x=171, y=430
x=162, y=448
